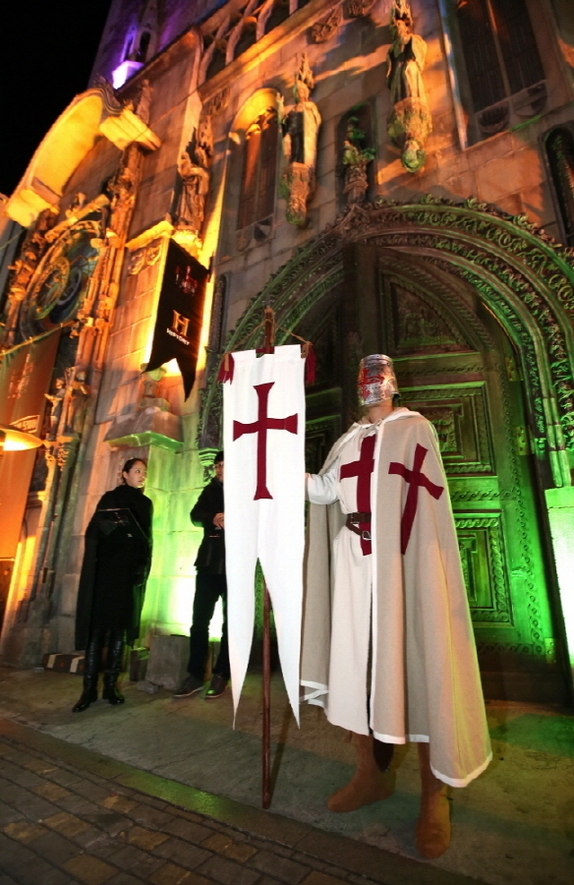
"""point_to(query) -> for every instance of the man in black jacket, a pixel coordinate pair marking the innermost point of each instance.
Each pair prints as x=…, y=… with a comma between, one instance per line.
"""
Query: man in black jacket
x=210, y=584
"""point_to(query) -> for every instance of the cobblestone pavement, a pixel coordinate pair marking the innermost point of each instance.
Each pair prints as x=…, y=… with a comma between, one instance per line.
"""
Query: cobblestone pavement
x=68, y=815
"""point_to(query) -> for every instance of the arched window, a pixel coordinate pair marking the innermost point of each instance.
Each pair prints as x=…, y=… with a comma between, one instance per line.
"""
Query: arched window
x=258, y=181
x=505, y=78
x=560, y=153
x=278, y=14
x=145, y=38
x=251, y=174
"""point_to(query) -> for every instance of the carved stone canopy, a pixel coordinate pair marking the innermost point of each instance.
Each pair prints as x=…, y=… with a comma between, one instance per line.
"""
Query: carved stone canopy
x=93, y=113
x=524, y=278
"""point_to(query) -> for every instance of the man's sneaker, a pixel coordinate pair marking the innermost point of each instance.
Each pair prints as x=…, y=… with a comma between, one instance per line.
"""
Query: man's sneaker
x=189, y=686
x=216, y=688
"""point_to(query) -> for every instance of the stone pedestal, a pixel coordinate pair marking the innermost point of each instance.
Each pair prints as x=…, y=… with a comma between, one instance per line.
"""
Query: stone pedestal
x=150, y=425
x=168, y=656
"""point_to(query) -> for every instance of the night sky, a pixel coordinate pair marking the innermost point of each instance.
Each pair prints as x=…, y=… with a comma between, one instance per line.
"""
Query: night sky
x=48, y=50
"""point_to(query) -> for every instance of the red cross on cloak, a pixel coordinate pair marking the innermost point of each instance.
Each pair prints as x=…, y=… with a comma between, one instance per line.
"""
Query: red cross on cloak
x=260, y=427
x=415, y=479
x=362, y=469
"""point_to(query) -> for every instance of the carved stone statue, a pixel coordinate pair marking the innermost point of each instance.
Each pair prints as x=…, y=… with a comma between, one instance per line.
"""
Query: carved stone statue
x=121, y=191
x=300, y=131
x=410, y=121
x=78, y=399
x=355, y=158
x=195, y=186
x=56, y=400
x=193, y=168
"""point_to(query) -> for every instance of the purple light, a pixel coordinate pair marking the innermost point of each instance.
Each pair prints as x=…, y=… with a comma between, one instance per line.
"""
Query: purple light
x=126, y=70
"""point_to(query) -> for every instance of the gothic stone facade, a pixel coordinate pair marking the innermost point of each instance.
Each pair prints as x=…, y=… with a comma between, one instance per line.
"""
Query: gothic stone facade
x=381, y=176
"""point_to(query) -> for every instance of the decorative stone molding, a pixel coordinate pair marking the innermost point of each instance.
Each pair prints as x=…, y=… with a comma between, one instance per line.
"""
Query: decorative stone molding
x=357, y=8
x=223, y=35
x=160, y=231
x=324, y=28
x=93, y=113
x=524, y=277
x=147, y=256
x=217, y=103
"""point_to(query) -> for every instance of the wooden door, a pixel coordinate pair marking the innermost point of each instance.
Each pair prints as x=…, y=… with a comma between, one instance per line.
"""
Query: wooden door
x=456, y=366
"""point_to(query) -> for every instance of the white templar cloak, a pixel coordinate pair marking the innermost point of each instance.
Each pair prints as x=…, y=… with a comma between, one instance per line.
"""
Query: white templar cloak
x=397, y=620
x=264, y=444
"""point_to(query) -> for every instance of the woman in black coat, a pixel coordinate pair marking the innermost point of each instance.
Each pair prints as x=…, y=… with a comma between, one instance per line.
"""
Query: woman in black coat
x=117, y=560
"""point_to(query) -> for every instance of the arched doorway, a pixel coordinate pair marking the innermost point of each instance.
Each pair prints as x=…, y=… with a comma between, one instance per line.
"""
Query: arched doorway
x=475, y=309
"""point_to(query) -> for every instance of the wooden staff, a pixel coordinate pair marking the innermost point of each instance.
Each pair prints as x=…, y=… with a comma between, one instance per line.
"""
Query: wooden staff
x=266, y=734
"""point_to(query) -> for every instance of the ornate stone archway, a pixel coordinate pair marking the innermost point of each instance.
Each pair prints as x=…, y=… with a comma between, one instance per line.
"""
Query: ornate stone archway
x=525, y=279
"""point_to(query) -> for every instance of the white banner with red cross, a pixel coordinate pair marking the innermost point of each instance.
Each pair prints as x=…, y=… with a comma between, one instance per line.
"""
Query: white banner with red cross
x=264, y=488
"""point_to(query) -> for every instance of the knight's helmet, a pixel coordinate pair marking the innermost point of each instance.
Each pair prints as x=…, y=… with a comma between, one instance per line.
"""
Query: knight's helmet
x=377, y=380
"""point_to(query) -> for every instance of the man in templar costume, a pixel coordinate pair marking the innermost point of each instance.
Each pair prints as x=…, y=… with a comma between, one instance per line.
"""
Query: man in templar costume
x=388, y=648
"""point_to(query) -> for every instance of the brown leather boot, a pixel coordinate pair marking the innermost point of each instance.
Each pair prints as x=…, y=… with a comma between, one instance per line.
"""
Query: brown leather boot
x=433, y=826
x=368, y=784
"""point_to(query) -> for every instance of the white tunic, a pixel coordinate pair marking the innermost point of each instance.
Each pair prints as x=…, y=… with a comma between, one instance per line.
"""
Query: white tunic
x=352, y=575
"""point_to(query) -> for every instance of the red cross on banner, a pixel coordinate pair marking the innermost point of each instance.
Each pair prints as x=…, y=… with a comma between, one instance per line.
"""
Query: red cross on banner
x=415, y=479
x=363, y=470
x=260, y=427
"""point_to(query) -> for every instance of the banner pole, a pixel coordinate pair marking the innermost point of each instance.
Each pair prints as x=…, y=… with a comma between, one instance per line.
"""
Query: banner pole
x=266, y=733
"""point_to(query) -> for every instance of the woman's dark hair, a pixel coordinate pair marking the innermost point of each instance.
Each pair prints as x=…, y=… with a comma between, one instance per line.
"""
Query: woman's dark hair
x=130, y=463
x=218, y=457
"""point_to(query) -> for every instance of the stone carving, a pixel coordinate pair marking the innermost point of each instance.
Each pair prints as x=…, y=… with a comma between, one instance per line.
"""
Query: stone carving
x=420, y=322
x=410, y=121
x=193, y=168
x=324, y=29
x=300, y=131
x=56, y=400
x=23, y=269
x=78, y=397
x=75, y=206
x=111, y=103
x=217, y=103
x=195, y=185
x=356, y=158
x=144, y=257
x=357, y=8
x=151, y=395
x=481, y=239
x=121, y=190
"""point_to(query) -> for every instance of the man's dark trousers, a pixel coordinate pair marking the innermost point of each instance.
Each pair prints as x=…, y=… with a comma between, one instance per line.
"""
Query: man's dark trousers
x=208, y=589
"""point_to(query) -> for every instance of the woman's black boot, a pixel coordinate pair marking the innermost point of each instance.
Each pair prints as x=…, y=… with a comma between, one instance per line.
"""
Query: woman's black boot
x=91, y=670
x=111, y=692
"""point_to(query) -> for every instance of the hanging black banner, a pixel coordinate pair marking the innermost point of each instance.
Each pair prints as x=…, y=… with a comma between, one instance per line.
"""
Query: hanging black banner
x=179, y=314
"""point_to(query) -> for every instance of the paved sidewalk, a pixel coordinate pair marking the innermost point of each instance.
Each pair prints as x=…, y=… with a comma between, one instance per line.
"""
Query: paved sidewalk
x=69, y=815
